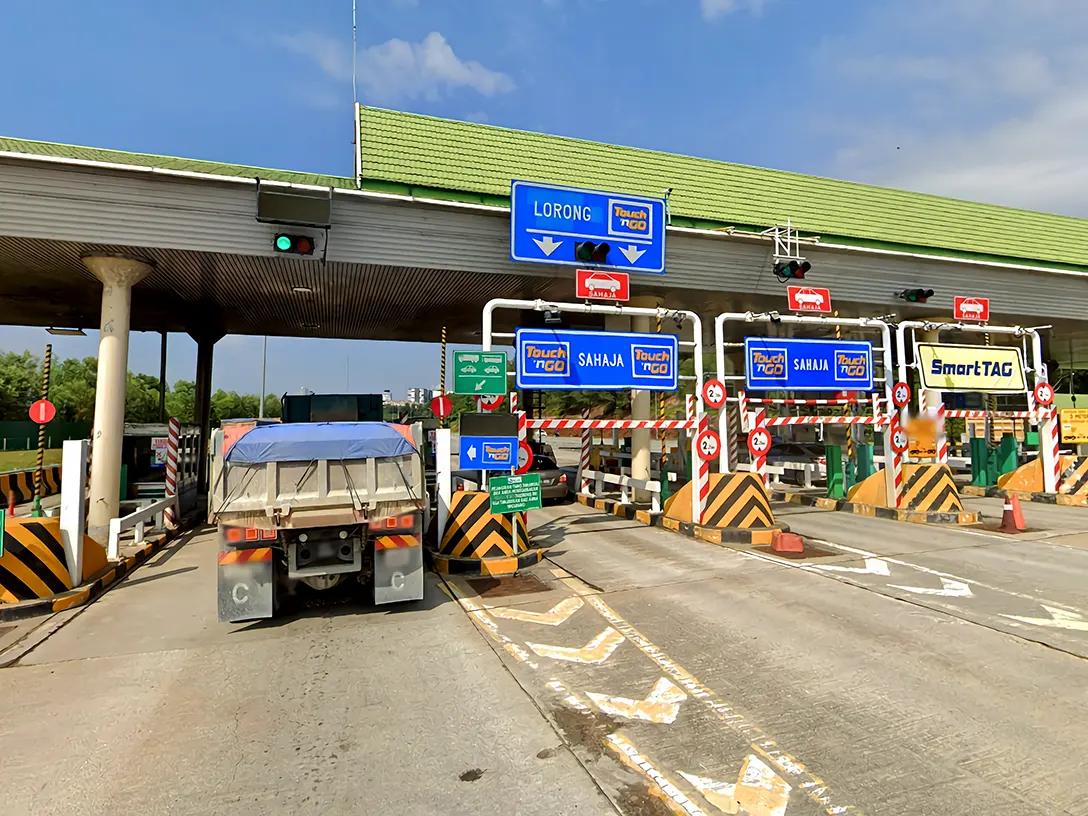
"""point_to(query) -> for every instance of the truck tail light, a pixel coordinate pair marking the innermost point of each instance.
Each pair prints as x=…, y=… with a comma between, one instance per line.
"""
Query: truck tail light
x=403, y=522
x=563, y=478
x=252, y=534
x=232, y=534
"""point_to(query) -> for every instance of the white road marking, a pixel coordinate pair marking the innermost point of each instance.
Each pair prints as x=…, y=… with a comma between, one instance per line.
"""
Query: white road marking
x=675, y=799
x=558, y=614
x=596, y=651
x=759, y=791
x=949, y=588
x=1060, y=619
x=873, y=566
x=660, y=706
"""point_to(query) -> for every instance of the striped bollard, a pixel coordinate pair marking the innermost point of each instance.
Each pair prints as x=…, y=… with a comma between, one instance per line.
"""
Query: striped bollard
x=1050, y=445
x=583, y=463
x=690, y=404
x=173, y=434
x=700, y=488
x=742, y=410
x=760, y=464
x=895, y=487
x=942, y=437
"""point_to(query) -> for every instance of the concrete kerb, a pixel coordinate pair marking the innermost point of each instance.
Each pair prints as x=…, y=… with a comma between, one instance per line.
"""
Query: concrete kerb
x=496, y=566
x=1060, y=499
x=89, y=590
x=872, y=511
x=712, y=535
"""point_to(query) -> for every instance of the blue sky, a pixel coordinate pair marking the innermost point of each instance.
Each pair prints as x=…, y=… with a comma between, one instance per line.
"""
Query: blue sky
x=983, y=99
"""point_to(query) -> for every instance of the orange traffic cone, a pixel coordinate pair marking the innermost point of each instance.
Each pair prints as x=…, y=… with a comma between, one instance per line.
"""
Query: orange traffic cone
x=1012, y=517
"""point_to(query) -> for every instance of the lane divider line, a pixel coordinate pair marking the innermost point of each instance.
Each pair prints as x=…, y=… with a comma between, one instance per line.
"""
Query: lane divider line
x=660, y=786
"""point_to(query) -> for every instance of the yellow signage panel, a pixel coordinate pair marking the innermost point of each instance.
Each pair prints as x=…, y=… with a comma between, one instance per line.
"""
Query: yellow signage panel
x=991, y=369
x=1074, y=425
x=922, y=433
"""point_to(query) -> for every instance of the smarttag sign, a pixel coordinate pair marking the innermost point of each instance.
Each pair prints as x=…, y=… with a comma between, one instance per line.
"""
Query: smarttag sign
x=549, y=222
x=784, y=364
x=559, y=360
x=989, y=369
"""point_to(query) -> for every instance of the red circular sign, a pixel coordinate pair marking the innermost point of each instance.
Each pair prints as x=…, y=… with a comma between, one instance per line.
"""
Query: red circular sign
x=441, y=406
x=714, y=394
x=525, y=457
x=900, y=394
x=759, y=442
x=708, y=445
x=489, y=403
x=900, y=440
x=42, y=412
x=1044, y=394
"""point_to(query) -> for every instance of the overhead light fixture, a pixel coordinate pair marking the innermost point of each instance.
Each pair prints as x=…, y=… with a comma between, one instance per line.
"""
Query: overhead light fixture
x=302, y=290
x=553, y=317
x=311, y=325
x=67, y=332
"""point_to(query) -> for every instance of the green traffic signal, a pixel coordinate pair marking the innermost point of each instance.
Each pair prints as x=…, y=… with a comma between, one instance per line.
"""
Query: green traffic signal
x=283, y=243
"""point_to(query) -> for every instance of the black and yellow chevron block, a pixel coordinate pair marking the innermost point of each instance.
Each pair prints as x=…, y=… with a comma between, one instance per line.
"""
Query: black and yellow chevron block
x=931, y=489
x=22, y=483
x=737, y=500
x=33, y=564
x=1075, y=478
x=473, y=532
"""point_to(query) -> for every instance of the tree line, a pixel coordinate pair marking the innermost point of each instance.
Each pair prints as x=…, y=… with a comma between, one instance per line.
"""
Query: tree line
x=72, y=389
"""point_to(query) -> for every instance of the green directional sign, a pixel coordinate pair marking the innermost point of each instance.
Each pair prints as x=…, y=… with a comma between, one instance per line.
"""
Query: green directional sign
x=515, y=494
x=481, y=373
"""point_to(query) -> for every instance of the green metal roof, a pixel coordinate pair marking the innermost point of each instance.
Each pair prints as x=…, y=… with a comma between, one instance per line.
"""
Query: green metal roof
x=423, y=155
x=96, y=154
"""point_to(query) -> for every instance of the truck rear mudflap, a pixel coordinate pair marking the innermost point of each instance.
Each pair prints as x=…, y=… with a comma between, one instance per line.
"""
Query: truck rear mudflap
x=246, y=579
x=398, y=567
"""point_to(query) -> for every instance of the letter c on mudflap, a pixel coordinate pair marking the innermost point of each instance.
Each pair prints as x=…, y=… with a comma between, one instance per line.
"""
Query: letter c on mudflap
x=239, y=593
x=397, y=580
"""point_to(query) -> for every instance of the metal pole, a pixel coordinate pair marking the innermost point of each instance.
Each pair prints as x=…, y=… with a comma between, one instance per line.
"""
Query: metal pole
x=162, y=379
x=442, y=375
x=264, y=373
x=38, y=472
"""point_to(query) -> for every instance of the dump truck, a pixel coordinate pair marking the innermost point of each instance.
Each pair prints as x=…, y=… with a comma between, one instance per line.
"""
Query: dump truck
x=305, y=507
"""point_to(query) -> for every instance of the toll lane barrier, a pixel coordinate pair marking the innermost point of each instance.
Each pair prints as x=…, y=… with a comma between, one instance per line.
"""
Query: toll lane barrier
x=475, y=541
x=734, y=500
x=1027, y=483
x=21, y=482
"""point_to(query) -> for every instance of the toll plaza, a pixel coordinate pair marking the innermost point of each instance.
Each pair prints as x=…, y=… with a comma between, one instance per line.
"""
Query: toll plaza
x=794, y=576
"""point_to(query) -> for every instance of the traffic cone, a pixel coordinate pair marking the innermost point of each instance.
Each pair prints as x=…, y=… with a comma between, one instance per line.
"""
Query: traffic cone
x=1012, y=517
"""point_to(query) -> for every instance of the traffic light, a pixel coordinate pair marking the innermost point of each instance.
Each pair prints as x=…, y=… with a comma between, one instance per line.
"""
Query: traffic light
x=294, y=244
x=916, y=295
x=591, y=253
x=791, y=270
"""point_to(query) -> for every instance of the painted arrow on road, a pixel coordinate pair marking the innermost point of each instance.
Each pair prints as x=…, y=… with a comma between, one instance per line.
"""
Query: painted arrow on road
x=661, y=706
x=558, y=614
x=949, y=588
x=758, y=792
x=873, y=566
x=547, y=245
x=597, y=650
x=1060, y=619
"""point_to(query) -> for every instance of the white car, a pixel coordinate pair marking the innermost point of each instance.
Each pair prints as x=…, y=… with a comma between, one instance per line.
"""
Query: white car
x=971, y=308
x=810, y=298
x=491, y=370
x=602, y=282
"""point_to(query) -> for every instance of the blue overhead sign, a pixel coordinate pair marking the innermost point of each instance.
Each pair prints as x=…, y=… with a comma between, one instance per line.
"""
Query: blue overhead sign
x=559, y=360
x=783, y=364
x=489, y=452
x=548, y=222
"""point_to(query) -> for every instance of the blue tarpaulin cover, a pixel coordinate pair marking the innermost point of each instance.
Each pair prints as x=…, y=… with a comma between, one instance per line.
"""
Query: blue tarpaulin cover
x=307, y=441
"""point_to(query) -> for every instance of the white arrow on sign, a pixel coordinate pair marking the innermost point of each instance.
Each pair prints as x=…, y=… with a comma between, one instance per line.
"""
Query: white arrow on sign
x=873, y=566
x=949, y=588
x=547, y=244
x=1059, y=619
x=661, y=706
x=471, y=451
x=632, y=253
x=480, y=385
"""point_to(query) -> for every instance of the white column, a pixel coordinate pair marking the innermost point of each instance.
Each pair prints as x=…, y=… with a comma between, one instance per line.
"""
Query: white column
x=73, y=491
x=641, y=407
x=118, y=275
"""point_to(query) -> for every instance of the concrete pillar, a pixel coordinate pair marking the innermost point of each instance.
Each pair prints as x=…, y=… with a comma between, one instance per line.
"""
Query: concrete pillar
x=202, y=397
x=641, y=407
x=162, y=379
x=118, y=275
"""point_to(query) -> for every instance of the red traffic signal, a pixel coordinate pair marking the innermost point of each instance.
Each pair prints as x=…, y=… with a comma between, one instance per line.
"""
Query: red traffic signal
x=791, y=270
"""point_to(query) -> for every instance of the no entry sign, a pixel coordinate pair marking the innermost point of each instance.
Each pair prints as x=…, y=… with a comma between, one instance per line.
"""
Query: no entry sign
x=42, y=412
x=441, y=406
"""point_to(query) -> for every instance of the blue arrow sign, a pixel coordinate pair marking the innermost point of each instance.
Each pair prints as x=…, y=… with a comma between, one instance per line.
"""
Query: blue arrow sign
x=489, y=452
x=783, y=364
x=547, y=221
x=558, y=360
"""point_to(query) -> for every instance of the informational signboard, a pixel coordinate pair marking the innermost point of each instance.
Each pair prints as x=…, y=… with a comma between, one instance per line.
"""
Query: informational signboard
x=158, y=448
x=990, y=369
x=488, y=452
x=479, y=372
x=809, y=299
x=515, y=494
x=784, y=364
x=1074, y=425
x=971, y=308
x=922, y=437
x=560, y=360
x=548, y=222
x=596, y=284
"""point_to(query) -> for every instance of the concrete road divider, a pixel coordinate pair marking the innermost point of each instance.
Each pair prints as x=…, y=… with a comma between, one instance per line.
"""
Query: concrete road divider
x=481, y=543
x=21, y=483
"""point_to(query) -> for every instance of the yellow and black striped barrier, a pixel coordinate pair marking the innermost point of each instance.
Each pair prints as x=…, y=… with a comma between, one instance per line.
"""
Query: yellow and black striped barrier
x=22, y=483
x=478, y=542
x=33, y=564
x=930, y=489
x=735, y=500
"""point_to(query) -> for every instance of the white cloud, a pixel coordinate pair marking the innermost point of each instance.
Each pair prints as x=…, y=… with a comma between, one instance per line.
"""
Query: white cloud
x=397, y=70
x=980, y=99
x=718, y=8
